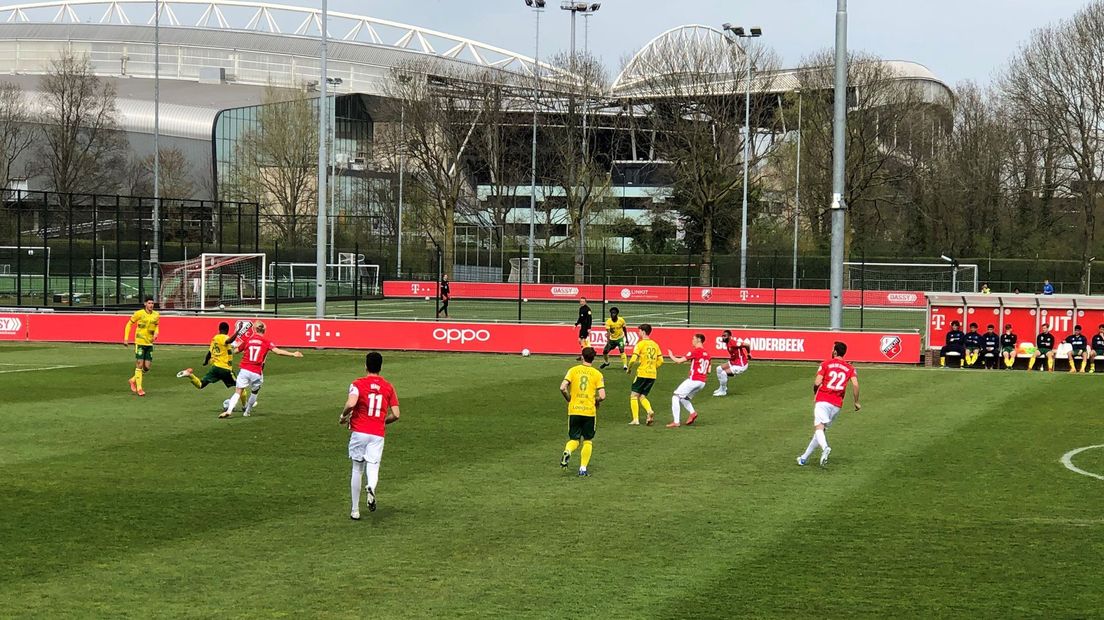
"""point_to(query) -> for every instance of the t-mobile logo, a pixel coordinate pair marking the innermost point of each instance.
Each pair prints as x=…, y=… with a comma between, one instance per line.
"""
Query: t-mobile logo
x=938, y=321
x=313, y=329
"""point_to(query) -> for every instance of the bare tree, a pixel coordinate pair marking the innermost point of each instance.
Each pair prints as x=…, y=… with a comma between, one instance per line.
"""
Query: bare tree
x=15, y=135
x=83, y=149
x=175, y=172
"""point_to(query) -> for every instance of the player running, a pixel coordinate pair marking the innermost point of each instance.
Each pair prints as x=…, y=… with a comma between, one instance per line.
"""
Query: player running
x=1097, y=349
x=251, y=370
x=220, y=355
x=1078, y=348
x=147, y=325
x=1044, y=347
x=615, y=332
x=1008, y=341
x=584, y=389
x=699, y=373
x=584, y=322
x=739, y=355
x=371, y=406
x=829, y=389
x=650, y=357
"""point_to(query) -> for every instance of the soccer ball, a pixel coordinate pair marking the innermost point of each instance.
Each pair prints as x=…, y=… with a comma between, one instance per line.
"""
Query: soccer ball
x=226, y=404
x=525, y=352
x=222, y=306
x=525, y=299
x=427, y=298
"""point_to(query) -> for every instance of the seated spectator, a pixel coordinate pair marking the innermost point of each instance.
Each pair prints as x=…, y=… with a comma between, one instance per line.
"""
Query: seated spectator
x=1044, y=347
x=1097, y=349
x=1078, y=345
x=972, y=341
x=953, y=345
x=1008, y=341
x=990, y=348
x=1048, y=288
x=985, y=288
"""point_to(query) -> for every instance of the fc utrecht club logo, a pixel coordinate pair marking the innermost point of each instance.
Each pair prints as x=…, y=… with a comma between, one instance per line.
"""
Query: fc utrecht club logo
x=10, y=325
x=707, y=294
x=891, y=346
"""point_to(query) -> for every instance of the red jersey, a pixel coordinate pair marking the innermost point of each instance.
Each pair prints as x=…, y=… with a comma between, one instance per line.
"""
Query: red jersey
x=737, y=354
x=836, y=374
x=699, y=365
x=375, y=397
x=254, y=351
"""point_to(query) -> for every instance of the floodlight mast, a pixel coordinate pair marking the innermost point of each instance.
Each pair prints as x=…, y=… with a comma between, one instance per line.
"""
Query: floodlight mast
x=740, y=33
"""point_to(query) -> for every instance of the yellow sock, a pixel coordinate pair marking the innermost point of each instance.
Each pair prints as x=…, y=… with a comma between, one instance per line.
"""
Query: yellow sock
x=138, y=378
x=196, y=382
x=571, y=446
x=942, y=361
x=1084, y=361
x=624, y=359
x=635, y=407
x=1031, y=363
x=588, y=447
x=647, y=405
x=1050, y=363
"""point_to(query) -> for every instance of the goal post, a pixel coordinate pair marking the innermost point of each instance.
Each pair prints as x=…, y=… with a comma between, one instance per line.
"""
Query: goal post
x=343, y=276
x=216, y=281
x=521, y=270
x=933, y=277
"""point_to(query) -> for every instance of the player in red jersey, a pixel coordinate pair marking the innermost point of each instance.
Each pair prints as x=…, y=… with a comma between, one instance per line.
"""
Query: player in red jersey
x=254, y=350
x=699, y=372
x=829, y=388
x=371, y=406
x=739, y=355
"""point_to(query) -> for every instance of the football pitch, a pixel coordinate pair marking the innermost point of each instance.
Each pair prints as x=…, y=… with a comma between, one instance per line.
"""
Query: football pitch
x=945, y=495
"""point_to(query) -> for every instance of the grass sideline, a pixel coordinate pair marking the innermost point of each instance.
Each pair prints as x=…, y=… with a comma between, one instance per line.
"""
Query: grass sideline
x=945, y=495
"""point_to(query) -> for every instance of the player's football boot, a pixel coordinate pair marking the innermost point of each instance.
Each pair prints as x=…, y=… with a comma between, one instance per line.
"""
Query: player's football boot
x=371, y=499
x=133, y=385
x=720, y=392
x=225, y=414
x=355, y=515
x=141, y=392
x=634, y=423
x=566, y=457
x=650, y=419
x=603, y=366
x=801, y=461
x=824, y=456
x=187, y=372
x=690, y=420
x=673, y=425
x=583, y=473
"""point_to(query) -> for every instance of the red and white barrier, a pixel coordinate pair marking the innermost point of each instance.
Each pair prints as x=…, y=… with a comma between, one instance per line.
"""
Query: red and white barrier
x=664, y=294
x=458, y=337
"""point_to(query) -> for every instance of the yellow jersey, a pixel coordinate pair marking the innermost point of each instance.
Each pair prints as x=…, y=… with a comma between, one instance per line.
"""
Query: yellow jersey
x=583, y=385
x=650, y=356
x=616, y=328
x=221, y=354
x=146, y=326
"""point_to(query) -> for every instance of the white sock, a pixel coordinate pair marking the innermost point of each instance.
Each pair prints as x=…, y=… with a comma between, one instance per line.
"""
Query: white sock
x=249, y=403
x=354, y=483
x=821, y=440
x=233, y=402
x=812, y=446
x=722, y=376
x=686, y=403
x=373, y=475
x=676, y=413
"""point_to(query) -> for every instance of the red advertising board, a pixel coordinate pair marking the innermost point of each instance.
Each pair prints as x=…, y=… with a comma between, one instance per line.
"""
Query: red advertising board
x=465, y=337
x=667, y=294
x=1024, y=322
x=13, y=327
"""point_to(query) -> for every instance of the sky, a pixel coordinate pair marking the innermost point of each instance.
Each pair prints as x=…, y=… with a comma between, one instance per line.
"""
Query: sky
x=956, y=39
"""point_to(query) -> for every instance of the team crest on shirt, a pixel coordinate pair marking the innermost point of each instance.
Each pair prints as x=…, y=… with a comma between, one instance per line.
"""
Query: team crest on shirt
x=891, y=346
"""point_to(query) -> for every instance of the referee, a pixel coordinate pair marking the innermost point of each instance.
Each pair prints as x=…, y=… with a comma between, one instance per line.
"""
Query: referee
x=583, y=323
x=445, y=295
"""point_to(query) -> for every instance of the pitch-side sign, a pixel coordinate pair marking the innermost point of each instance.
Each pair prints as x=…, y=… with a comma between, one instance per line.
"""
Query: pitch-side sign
x=667, y=294
x=460, y=337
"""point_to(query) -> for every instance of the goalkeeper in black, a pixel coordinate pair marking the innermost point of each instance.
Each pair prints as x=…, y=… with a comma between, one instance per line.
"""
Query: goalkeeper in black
x=584, y=322
x=953, y=344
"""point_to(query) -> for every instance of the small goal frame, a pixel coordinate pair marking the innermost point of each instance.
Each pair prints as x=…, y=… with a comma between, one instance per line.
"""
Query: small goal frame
x=203, y=269
x=953, y=267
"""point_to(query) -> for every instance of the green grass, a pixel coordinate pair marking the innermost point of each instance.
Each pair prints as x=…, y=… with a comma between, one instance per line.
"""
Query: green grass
x=945, y=496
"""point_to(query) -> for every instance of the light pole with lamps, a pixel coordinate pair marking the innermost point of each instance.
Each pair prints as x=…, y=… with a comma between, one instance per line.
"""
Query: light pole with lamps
x=538, y=8
x=575, y=8
x=333, y=82
x=1088, y=277
x=740, y=33
x=954, y=271
x=320, y=184
x=839, y=154
x=797, y=188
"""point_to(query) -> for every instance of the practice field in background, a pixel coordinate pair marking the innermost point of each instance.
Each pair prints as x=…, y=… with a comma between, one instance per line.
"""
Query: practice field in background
x=945, y=495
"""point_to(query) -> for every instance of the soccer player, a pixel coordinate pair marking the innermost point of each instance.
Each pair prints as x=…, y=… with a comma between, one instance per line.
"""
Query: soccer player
x=446, y=295
x=1008, y=341
x=953, y=345
x=372, y=405
x=220, y=355
x=1044, y=347
x=251, y=370
x=990, y=347
x=147, y=325
x=829, y=389
x=739, y=355
x=1077, y=343
x=699, y=373
x=1097, y=348
x=615, y=332
x=972, y=342
x=650, y=356
x=584, y=389
x=585, y=320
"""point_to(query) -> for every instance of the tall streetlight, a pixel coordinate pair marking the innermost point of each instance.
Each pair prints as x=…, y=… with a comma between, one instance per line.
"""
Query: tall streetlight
x=538, y=8
x=839, y=151
x=797, y=188
x=320, y=186
x=740, y=33
x=333, y=82
x=155, y=252
x=576, y=8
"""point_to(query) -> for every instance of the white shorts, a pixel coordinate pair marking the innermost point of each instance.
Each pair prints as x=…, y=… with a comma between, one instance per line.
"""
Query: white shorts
x=688, y=388
x=365, y=447
x=249, y=379
x=824, y=413
x=734, y=370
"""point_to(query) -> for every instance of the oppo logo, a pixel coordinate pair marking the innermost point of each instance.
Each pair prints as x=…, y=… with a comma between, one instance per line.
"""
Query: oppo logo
x=461, y=335
x=902, y=298
x=10, y=325
x=565, y=291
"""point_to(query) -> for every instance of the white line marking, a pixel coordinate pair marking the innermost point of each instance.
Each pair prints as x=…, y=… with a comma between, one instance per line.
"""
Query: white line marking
x=35, y=369
x=1067, y=460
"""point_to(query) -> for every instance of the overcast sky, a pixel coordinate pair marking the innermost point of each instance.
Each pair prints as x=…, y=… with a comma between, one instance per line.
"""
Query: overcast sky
x=956, y=39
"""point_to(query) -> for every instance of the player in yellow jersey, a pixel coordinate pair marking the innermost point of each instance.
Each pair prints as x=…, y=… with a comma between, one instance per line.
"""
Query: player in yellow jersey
x=220, y=355
x=650, y=357
x=147, y=324
x=584, y=389
x=615, y=338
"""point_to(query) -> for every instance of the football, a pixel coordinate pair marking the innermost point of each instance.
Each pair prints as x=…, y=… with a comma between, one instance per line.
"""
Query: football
x=525, y=352
x=427, y=298
x=222, y=306
x=225, y=404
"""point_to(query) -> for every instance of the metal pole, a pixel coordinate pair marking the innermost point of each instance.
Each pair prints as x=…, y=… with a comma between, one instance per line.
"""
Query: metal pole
x=402, y=173
x=797, y=190
x=747, y=151
x=332, y=163
x=320, y=186
x=839, y=215
x=533, y=158
x=155, y=252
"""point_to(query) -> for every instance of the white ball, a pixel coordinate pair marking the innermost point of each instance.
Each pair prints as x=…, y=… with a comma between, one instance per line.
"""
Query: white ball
x=525, y=352
x=222, y=306
x=427, y=299
x=525, y=299
x=225, y=404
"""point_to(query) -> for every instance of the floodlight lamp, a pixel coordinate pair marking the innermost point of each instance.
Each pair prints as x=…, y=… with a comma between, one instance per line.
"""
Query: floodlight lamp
x=595, y=6
x=726, y=26
x=756, y=32
x=529, y=3
x=947, y=258
x=738, y=31
x=540, y=4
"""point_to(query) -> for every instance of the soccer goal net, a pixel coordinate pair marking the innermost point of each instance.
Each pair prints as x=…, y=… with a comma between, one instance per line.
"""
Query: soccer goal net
x=341, y=277
x=215, y=281
x=941, y=277
x=522, y=270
